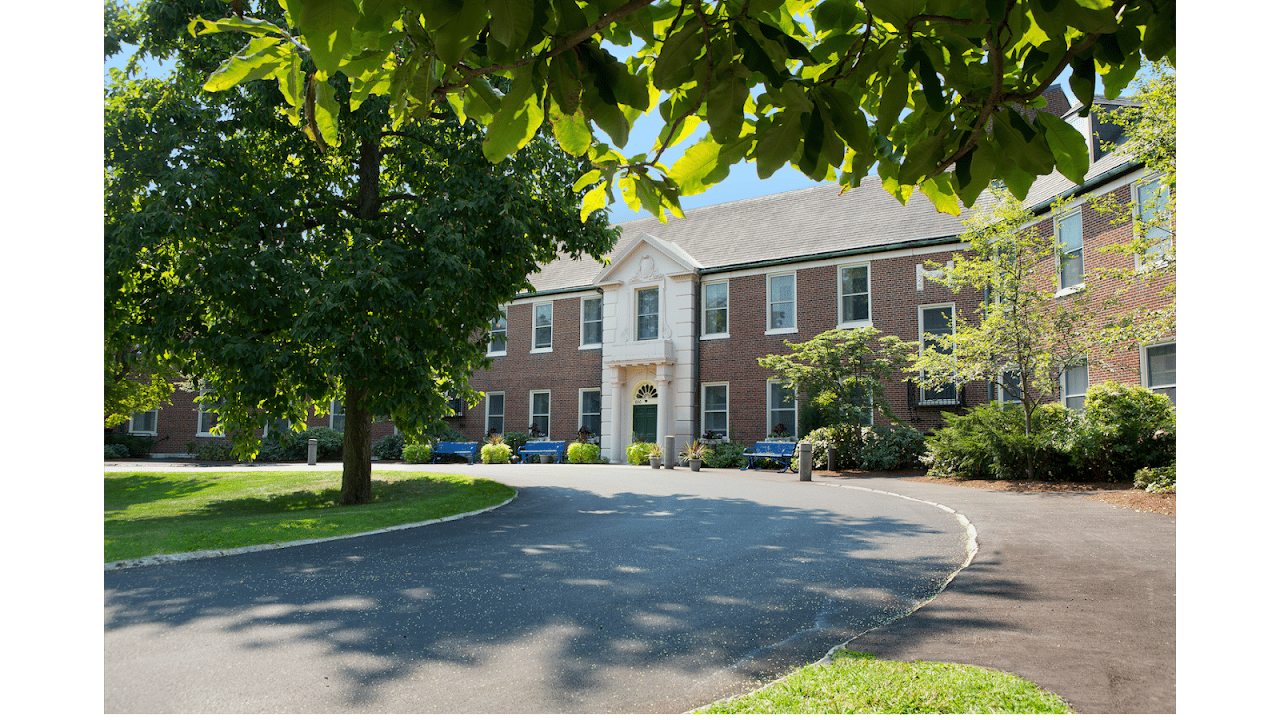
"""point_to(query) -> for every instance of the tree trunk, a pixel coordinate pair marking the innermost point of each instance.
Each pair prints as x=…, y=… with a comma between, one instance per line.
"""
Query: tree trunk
x=357, y=449
x=1027, y=411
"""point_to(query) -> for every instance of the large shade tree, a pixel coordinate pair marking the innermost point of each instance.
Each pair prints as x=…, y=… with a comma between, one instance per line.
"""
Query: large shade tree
x=284, y=275
x=927, y=92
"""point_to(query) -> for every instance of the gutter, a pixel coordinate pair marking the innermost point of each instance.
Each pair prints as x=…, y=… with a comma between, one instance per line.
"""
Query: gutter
x=904, y=245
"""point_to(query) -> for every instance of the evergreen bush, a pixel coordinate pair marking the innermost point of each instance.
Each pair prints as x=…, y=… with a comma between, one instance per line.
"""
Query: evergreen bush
x=492, y=453
x=1126, y=428
x=416, y=453
x=725, y=455
x=580, y=452
x=890, y=448
x=389, y=448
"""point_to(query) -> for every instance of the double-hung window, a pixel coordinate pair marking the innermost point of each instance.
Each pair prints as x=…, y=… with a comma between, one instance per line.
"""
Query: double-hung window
x=937, y=331
x=715, y=409
x=647, y=314
x=1153, y=221
x=1009, y=389
x=782, y=303
x=1161, y=369
x=542, y=327
x=540, y=413
x=715, y=309
x=143, y=423
x=1075, y=383
x=1070, y=239
x=592, y=322
x=782, y=410
x=494, y=411
x=855, y=295
x=337, y=414
x=207, y=415
x=589, y=411
x=498, y=335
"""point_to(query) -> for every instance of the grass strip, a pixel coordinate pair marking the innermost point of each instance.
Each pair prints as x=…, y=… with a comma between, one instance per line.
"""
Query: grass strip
x=151, y=513
x=859, y=683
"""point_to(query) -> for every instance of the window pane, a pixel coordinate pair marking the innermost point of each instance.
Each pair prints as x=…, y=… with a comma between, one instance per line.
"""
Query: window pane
x=591, y=411
x=1070, y=245
x=1162, y=366
x=1069, y=233
x=855, y=299
x=647, y=301
x=782, y=288
x=716, y=397
x=647, y=314
x=717, y=313
x=496, y=409
x=717, y=295
x=592, y=323
x=782, y=403
x=541, y=403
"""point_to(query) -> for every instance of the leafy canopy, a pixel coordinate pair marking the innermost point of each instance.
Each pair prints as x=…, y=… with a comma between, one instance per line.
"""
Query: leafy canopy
x=927, y=92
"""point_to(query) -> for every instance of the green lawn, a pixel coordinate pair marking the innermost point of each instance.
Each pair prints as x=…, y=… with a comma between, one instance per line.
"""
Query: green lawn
x=151, y=513
x=858, y=683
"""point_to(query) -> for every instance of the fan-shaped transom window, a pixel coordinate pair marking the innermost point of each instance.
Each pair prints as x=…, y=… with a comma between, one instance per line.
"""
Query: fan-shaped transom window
x=646, y=394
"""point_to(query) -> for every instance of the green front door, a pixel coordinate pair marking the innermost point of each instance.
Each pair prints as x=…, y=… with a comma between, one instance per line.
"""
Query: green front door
x=644, y=423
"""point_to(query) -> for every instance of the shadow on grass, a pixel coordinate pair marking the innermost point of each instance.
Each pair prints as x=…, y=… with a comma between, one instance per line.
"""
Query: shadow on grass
x=120, y=493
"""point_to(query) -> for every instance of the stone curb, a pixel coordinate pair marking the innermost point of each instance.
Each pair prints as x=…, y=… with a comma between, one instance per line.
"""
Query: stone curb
x=180, y=557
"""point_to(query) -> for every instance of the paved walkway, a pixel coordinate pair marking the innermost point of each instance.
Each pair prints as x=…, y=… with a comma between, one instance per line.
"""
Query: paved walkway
x=1074, y=594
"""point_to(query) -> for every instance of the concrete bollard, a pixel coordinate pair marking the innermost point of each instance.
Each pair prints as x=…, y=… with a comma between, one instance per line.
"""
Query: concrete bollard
x=669, y=452
x=806, y=462
x=311, y=451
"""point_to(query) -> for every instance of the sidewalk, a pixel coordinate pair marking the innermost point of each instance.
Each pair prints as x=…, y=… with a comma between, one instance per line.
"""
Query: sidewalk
x=1075, y=595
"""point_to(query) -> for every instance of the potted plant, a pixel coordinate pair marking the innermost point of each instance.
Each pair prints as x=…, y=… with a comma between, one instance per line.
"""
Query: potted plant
x=693, y=453
x=655, y=458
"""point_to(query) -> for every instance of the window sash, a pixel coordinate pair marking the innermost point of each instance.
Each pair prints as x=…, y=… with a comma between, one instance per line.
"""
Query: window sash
x=1153, y=201
x=592, y=321
x=1075, y=383
x=337, y=415
x=937, y=328
x=647, y=314
x=495, y=410
x=855, y=294
x=589, y=411
x=542, y=325
x=1162, y=374
x=540, y=412
x=498, y=335
x=716, y=308
x=782, y=302
x=1071, y=251
x=782, y=408
x=143, y=423
x=715, y=409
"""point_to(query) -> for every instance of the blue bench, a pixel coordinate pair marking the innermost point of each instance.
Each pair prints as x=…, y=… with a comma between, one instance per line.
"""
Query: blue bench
x=465, y=449
x=780, y=451
x=543, y=447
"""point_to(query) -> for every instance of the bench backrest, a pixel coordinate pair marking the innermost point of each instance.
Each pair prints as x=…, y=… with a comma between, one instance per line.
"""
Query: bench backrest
x=543, y=446
x=775, y=448
x=456, y=447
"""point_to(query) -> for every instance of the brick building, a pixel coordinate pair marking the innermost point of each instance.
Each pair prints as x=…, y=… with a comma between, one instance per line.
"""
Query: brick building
x=664, y=339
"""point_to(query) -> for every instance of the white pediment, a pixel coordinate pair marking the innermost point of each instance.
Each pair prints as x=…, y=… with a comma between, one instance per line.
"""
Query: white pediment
x=647, y=258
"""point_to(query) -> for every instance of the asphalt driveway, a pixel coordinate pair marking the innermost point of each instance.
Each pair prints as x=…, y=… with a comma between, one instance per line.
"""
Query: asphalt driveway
x=600, y=589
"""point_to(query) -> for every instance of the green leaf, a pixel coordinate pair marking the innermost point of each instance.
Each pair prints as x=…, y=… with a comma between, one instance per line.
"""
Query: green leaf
x=327, y=114
x=518, y=119
x=460, y=32
x=777, y=144
x=674, y=65
x=1083, y=79
x=200, y=26
x=699, y=162
x=725, y=101
x=1070, y=151
x=922, y=158
x=511, y=21
x=261, y=57
x=594, y=200
x=939, y=190
x=572, y=131
x=892, y=101
x=326, y=26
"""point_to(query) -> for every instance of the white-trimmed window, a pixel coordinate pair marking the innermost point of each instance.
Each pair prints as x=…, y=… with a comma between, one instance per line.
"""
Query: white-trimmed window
x=279, y=426
x=495, y=406
x=592, y=322
x=542, y=327
x=782, y=410
x=1152, y=212
x=937, y=332
x=782, y=303
x=540, y=413
x=1069, y=234
x=1009, y=389
x=143, y=423
x=589, y=410
x=715, y=409
x=647, y=319
x=1160, y=369
x=855, y=295
x=498, y=335
x=207, y=415
x=715, y=309
x=337, y=414
x=1075, y=383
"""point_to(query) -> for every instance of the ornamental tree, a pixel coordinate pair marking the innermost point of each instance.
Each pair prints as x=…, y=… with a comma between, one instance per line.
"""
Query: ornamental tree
x=843, y=372
x=927, y=92
x=284, y=275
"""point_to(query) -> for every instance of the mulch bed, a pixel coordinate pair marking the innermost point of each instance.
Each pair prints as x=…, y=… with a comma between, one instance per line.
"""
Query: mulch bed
x=1119, y=494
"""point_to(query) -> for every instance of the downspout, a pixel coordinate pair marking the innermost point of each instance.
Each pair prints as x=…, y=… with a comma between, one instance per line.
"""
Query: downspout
x=697, y=357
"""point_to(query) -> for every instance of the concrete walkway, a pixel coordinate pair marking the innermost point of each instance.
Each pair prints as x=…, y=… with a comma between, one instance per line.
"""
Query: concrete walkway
x=1073, y=594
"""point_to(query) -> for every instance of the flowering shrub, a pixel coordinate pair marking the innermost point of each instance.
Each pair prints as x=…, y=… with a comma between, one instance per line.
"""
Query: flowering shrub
x=495, y=453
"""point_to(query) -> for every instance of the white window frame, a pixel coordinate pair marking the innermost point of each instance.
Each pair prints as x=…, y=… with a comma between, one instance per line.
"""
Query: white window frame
x=1062, y=383
x=582, y=337
x=550, y=326
x=336, y=405
x=920, y=336
x=768, y=305
x=494, y=331
x=201, y=412
x=155, y=422
x=657, y=327
x=532, y=415
x=582, y=416
x=1141, y=261
x=706, y=310
x=840, y=296
x=1146, y=367
x=705, y=410
x=488, y=412
x=770, y=409
x=1060, y=251
x=1003, y=395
